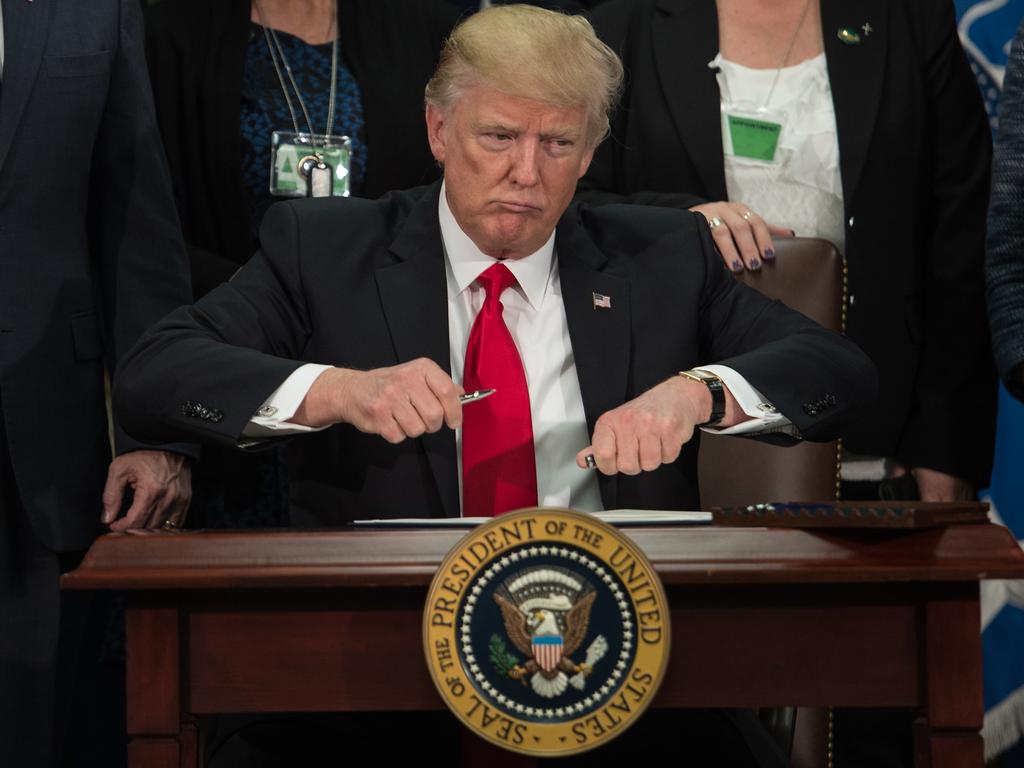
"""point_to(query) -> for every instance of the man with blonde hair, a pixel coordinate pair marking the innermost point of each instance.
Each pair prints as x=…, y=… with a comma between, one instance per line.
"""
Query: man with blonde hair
x=510, y=49
x=358, y=317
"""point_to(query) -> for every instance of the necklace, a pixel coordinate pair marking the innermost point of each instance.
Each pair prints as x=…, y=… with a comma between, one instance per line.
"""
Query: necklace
x=785, y=56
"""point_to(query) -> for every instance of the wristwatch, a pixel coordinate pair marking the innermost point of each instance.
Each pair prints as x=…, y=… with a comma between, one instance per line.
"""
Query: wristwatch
x=715, y=386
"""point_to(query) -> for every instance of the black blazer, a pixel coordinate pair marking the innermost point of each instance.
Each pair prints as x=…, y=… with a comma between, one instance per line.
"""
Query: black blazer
x=196, y=54
x=368, y=290
x=90, y=252
x=914, y=151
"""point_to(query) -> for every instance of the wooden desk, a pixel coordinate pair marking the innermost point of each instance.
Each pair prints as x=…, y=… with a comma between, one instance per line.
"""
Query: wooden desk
x=313, y=621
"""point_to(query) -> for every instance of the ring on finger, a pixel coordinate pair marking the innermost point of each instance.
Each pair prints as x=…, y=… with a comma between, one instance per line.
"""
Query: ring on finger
x=748, y=215
x=714, y=221
x=170, y=525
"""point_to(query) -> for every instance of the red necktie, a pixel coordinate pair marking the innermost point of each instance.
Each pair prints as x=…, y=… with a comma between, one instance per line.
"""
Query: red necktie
x=499, y=472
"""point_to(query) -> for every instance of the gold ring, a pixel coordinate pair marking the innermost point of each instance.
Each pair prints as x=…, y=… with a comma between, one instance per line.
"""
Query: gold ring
x=714, y=221
x=170, y=525
x=747, y=215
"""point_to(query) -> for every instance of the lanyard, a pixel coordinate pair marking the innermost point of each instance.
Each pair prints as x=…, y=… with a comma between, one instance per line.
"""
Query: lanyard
x=277, y=51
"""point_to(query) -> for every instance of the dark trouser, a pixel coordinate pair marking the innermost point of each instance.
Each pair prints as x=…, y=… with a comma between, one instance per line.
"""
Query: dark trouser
x=40, y=635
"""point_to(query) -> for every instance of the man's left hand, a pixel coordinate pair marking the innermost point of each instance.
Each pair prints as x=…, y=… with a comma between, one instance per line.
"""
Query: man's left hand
x=938, y=486
x=649, y=430
x=162, y=483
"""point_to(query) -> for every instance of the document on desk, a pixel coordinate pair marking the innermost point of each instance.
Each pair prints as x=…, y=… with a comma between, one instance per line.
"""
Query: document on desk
x=617, y=517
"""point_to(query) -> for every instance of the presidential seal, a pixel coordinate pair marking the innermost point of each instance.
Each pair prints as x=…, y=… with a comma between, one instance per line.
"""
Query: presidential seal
x=546, y=631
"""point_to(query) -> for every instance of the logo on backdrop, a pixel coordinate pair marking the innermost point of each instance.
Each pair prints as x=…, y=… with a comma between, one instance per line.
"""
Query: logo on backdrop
x=986, y=30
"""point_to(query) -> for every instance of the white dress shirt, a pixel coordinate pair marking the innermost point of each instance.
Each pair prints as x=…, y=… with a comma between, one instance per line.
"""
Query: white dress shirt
x=535, y=315
x=803, y=188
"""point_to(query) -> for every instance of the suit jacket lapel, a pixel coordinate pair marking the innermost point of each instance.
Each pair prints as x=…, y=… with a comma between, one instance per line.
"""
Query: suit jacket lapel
x=856, y=73
x=25, y=29
x=413, y=293
x=685, y=38
x=600, y=337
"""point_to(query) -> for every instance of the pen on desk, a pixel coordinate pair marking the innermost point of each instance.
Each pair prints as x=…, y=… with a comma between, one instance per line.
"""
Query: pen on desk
x=479, y=394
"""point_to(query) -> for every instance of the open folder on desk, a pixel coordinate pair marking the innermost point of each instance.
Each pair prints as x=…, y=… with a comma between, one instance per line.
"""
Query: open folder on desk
x=617, y=517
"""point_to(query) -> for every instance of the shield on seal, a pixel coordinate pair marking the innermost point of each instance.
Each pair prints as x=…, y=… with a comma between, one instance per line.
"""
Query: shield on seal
x=547, y=650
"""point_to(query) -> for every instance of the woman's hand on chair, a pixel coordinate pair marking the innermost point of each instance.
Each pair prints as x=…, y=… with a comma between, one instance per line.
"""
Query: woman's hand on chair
x=742, y=237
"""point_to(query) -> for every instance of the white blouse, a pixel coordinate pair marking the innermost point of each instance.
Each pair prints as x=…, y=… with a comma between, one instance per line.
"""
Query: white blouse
x=802, y=188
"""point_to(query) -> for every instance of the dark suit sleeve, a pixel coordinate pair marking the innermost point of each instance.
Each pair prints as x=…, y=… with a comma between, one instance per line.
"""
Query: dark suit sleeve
x=951, y=423
x=133, y=226
x=1005, y=247
x=205, y=369
x=817, y=378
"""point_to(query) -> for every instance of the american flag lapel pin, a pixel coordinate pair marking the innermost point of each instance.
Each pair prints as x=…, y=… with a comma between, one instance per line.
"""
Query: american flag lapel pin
x=601, y=301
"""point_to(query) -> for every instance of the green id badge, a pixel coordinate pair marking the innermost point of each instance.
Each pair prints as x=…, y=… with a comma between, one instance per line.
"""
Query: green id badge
x=297, y=161
x=753, y=138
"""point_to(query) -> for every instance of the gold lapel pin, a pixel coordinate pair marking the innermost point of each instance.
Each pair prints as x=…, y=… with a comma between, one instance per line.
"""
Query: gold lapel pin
x=848, y=35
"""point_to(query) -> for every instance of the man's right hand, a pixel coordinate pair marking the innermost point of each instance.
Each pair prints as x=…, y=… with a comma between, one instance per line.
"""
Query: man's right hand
x=398, y=402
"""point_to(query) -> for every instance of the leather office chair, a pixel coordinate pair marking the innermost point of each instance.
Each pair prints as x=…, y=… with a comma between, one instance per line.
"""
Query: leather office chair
x=808, y=275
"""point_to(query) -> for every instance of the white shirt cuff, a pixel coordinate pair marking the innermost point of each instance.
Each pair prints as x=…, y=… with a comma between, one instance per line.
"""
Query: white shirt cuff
x=271, y=418
x=764, y=417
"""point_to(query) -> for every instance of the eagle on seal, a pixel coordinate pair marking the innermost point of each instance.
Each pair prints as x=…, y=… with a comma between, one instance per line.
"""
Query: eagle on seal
x=539, y=635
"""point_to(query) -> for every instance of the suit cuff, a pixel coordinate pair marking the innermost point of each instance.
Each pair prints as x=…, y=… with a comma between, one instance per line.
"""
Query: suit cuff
x=271, y=418
x=764, y=417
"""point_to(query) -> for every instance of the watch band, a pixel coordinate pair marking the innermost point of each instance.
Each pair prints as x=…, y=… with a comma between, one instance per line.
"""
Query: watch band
x=717, y=389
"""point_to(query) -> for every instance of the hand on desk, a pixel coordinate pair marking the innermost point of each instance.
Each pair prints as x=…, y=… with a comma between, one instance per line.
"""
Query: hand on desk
x=651, y=429
x=162, y=486
x=938, y=486
x=401, y=401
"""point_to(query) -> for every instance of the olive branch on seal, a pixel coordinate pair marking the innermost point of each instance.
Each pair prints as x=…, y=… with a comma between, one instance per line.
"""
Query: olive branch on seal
x=502, y=660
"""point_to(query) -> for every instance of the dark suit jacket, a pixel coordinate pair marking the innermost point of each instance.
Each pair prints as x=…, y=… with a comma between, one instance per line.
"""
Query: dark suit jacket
x=90, y=253
x=361, y=284
x=914, y=151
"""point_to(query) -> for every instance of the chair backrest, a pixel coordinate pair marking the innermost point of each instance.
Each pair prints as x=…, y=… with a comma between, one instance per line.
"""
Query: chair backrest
x=808, y=275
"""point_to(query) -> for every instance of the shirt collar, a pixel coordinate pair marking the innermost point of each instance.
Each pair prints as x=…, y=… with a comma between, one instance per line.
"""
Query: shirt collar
x=466, y=261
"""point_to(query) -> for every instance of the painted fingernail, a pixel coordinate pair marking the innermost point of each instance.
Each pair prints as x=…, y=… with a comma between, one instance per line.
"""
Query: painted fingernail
x=769, y=253
x=737, y=266
x=792, y=233
x=755, y=264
